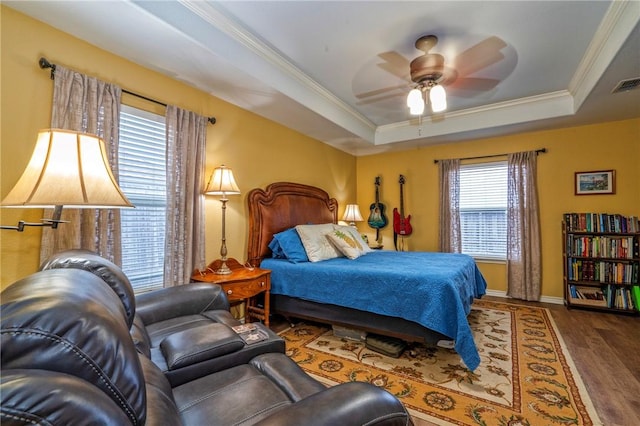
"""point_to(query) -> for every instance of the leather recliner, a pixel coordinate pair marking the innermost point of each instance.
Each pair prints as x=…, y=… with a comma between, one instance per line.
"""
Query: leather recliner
x=68, y=357
x=184, y=330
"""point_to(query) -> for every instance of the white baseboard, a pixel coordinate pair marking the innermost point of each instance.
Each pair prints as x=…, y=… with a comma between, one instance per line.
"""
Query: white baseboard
x=545, y=299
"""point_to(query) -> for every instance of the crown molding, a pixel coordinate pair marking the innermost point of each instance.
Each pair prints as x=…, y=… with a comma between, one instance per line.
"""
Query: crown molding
x=331, y=107
x=619, y=21
x=547, y=105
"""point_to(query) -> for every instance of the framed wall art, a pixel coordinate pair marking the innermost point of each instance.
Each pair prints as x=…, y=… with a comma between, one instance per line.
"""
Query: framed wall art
x=595, y=183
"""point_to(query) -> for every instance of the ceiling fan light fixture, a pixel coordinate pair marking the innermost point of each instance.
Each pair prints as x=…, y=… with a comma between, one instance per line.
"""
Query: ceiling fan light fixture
x=415, y=102
x=437, y=98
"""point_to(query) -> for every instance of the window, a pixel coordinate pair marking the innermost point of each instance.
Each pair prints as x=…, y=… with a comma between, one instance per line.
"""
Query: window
x=483, y=210
x=142, y=167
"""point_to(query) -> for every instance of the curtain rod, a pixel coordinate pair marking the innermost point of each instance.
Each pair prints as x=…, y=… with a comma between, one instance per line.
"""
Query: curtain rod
x=538, y=151
x=44, y=63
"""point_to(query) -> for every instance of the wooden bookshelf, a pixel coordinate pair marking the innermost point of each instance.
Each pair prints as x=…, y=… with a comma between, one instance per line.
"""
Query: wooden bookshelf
x=601, y=254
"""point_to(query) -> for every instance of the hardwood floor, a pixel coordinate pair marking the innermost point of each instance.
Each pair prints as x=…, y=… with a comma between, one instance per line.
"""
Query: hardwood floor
x=605, y=348
x=606, y=351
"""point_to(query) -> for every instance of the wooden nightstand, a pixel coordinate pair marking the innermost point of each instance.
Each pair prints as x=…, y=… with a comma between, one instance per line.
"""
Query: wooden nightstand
x=242, y=283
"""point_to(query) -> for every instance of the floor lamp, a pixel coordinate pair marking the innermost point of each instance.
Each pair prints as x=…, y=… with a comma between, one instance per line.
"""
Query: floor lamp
x=67, y=169
x=222, y=183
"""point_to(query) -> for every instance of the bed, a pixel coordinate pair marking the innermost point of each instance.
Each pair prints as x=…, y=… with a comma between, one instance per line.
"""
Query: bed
x=414, y=296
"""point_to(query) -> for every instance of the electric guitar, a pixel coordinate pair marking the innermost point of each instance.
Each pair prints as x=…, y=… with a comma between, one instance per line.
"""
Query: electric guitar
x=377, y=218
x=401, y=224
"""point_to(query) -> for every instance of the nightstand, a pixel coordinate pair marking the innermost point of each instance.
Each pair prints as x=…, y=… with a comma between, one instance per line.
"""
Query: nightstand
x=243, y=283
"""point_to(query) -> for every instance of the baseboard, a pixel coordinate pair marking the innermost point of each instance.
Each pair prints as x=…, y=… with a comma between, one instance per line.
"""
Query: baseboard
x=545, y=299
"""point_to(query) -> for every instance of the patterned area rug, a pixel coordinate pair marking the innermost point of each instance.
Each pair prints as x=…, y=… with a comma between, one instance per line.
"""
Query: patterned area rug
x=526, y=377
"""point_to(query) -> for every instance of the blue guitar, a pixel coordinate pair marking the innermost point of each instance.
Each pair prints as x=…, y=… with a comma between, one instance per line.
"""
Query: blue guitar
x=377, y=219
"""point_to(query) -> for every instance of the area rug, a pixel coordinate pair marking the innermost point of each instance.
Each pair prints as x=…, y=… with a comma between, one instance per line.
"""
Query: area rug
x=526, y=377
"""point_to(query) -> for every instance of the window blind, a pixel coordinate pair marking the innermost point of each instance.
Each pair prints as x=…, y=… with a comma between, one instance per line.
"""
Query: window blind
x=483, y=209
x=142, y=165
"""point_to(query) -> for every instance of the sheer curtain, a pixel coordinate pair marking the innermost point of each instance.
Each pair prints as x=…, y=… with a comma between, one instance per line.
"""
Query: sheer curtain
x=88, y=105
x=523, y=228
x=184, y=240
x=450, y=238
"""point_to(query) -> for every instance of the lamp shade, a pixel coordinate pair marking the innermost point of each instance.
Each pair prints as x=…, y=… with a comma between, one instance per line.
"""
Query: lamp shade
x=68, y=169
x=415, y=102
x=438, y=98
x=222, y=182
x=352, y=214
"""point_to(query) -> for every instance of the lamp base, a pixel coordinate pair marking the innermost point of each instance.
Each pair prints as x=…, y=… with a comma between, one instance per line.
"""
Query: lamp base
x=223, y=269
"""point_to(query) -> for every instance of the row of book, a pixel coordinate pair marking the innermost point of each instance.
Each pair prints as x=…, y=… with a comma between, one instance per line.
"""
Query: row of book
x=603, y=271
x=601, y=222
x=610, y=296
x=603, y=246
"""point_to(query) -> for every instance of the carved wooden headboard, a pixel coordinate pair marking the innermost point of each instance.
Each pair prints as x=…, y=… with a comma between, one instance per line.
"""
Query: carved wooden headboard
x=283, y=205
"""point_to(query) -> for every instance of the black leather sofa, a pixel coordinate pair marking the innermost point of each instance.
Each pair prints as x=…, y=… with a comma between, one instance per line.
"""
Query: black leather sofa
x=184, y=330
x=74, y=351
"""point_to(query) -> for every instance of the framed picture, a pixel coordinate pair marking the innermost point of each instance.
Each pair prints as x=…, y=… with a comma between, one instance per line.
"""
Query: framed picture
x=598, y=182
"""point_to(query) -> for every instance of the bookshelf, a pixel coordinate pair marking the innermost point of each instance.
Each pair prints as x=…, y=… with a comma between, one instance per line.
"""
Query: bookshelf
x=601, y=254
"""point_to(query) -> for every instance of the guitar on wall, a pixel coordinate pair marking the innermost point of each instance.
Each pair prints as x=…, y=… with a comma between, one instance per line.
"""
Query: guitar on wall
x=401, y=224
x=377, y=218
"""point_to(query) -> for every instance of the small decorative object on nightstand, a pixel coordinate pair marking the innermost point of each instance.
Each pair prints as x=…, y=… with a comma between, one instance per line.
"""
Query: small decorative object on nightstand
x=243, y=283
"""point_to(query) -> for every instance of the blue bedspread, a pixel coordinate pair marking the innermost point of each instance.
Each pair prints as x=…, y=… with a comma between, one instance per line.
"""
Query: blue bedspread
x=435, y=290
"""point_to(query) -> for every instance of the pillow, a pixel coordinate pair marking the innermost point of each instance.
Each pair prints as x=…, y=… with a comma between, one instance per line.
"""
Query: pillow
x=276, y=250
x=315, y=242
x=287, y=245
x=345, y=243
x=356, y=235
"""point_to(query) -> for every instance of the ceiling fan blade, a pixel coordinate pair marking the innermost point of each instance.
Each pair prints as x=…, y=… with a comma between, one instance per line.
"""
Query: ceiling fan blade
x=477, y=84
x=380, y=91
x=382, y=98
x=480, y=56
x=395, y=64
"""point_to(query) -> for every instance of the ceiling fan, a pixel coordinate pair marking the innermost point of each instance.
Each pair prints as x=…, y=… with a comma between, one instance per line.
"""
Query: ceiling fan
x=430, y=73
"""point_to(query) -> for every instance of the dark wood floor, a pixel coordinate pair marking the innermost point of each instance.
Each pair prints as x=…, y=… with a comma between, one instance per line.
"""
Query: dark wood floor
x=605, y=348
x=606, y=351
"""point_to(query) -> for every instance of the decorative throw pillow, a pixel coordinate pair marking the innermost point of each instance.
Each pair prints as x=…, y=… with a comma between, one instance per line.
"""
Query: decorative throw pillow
x=346, y=243
x=315, y=242
x=356, y=235
x=287, y=245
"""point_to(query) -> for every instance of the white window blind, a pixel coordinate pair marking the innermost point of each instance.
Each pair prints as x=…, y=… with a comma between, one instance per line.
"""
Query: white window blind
x=142, y=151
x=483, y=209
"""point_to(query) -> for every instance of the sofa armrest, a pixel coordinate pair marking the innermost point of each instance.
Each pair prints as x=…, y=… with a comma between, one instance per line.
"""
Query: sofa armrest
x=199, y=344
x=353, y=403
x=172, y=302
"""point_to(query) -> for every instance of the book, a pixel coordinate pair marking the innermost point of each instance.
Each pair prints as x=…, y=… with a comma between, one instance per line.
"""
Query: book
x=250, y=333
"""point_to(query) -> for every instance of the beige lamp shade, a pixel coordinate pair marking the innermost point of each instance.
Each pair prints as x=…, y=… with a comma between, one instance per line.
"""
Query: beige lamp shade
x=67, y=169
x=352, y=214
x=222, y=182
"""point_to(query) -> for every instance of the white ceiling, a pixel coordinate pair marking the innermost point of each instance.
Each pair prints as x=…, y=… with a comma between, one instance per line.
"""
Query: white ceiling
x=329, y=69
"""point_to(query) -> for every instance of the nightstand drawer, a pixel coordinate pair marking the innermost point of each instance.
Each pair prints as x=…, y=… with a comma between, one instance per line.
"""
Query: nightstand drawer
x=246, y=289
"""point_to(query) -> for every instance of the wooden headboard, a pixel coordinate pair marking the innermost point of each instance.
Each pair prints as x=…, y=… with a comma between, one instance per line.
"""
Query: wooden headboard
x=283, y=205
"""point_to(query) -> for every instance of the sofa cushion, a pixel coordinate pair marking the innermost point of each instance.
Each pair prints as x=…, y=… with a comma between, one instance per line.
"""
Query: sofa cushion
x=238, y=395
x=41, y=397
x=161, y=407
x=101, y=267
x=70, y=321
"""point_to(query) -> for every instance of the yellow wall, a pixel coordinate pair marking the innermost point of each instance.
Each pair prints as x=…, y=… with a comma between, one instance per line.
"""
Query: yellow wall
x=614, y=145
x=258, y=150
x=261, y=152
